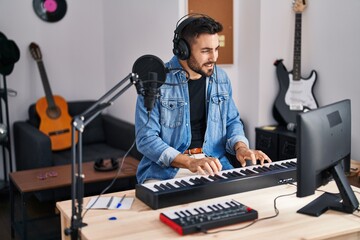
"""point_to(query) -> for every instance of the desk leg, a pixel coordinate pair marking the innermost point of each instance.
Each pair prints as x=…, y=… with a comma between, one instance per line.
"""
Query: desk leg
x=23, y=211
x=24, y=215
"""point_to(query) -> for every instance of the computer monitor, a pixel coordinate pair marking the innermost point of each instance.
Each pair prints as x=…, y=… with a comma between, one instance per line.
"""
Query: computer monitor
x=323, y=143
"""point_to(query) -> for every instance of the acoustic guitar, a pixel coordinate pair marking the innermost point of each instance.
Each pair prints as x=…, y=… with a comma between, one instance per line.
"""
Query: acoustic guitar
x=55, y=120
x=296, y=93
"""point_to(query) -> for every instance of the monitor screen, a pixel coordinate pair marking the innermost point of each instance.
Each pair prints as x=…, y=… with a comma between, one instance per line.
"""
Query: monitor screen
x=323, y=143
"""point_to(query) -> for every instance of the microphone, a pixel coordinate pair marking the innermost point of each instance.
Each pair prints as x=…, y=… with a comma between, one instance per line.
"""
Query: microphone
x=151, y=92
x=151, y=73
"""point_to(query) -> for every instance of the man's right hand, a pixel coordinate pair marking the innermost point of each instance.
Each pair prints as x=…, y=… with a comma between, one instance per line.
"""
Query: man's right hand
x=203, y=166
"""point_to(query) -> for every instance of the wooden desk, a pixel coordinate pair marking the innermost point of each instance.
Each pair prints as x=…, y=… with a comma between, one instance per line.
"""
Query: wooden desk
x=27, y=182
x=141, y=222
x=354, y=176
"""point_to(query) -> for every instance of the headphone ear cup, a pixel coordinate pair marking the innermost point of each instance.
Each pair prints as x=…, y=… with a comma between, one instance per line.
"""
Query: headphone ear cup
x=101, y=166
x=114, y=163
x=98, y=164
x=182, y=51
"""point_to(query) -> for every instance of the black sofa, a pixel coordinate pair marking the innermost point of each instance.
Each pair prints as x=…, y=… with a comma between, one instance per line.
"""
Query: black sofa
x=105, y=137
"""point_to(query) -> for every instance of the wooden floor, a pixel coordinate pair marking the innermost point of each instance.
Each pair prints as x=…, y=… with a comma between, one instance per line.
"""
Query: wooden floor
x=52, y=225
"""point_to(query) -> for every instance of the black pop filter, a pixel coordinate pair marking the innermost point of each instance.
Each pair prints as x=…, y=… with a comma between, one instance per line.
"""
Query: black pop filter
x=151, y=73
x=147, y=65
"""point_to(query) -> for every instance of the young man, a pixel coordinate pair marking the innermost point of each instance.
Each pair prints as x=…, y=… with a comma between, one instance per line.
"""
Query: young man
x=195, y=120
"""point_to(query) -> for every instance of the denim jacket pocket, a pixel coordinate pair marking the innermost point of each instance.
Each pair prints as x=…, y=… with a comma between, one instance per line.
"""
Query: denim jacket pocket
x=219, y=106
x=172, y=112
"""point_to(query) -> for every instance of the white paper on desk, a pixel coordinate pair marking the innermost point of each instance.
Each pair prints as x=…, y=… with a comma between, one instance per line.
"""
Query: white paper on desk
x=110, y=203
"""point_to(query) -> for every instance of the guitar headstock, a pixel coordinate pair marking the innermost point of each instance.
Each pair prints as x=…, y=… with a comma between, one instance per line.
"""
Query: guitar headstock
x=299, y=6
x=35, y=51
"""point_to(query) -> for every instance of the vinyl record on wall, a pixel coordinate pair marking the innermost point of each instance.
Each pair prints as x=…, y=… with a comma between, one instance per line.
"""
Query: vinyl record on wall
x=50, y=10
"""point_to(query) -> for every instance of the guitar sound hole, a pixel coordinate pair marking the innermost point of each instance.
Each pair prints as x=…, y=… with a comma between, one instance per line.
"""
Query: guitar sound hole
x=53, y=112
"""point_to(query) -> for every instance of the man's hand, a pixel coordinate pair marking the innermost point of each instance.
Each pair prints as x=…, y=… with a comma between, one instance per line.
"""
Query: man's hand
x=243, y=153
x=204, y=166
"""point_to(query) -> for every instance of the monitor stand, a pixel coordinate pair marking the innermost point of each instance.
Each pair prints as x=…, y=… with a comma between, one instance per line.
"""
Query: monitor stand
x=320, y=205
x=345, y=201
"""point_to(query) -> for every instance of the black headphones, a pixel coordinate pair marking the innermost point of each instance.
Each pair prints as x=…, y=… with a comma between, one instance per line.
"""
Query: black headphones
x=181, y=48
x=101, y=166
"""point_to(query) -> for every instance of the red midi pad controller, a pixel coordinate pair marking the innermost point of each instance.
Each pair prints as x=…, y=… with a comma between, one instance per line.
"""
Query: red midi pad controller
x=202, y=218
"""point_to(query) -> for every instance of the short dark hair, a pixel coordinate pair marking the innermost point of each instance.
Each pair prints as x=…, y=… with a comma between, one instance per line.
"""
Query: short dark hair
x=198, y=26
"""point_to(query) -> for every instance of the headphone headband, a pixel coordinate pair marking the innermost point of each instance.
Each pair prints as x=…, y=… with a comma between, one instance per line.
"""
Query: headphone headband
x=181, y=48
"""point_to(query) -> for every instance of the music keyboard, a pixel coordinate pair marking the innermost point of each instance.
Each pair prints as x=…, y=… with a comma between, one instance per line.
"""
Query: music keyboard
x=201, y=218
x=199, y=187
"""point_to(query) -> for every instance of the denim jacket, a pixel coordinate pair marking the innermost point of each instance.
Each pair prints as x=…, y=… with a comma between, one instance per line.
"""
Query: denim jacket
x=167, y=132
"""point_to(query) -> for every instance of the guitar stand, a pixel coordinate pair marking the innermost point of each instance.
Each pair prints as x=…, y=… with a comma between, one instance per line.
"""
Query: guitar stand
x=5, y=132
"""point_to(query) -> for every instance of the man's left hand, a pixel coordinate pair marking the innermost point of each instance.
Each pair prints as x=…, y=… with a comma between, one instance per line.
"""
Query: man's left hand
x=243, y=153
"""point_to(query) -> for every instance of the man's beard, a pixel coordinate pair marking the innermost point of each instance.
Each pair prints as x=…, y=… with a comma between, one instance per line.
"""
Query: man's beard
x=194, y=65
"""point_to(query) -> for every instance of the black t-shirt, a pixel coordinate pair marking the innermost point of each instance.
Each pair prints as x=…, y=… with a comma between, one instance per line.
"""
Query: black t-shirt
x=197, y=111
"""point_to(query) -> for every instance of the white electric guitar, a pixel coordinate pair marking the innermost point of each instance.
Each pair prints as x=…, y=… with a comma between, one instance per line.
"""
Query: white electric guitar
x=296, y=93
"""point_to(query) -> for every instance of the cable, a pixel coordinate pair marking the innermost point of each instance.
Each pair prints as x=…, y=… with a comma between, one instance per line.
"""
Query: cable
x=319, y=190
x=118, y=171
x=171, y=84
x=358, y=209
x=277, y=212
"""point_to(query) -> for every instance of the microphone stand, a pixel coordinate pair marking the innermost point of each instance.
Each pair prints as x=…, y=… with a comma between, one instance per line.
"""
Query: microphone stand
x=78, y=125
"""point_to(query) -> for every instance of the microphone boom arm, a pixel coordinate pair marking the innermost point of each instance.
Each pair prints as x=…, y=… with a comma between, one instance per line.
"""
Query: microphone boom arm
x=78, y=125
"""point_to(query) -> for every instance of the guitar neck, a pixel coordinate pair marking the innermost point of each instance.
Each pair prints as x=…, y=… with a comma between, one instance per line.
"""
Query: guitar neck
x=46, y=85
x=297, y=47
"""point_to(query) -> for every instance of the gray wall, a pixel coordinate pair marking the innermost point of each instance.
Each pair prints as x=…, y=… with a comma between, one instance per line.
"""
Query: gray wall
x=95, y=45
